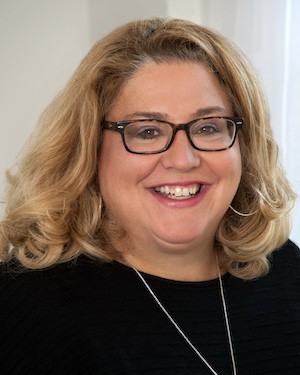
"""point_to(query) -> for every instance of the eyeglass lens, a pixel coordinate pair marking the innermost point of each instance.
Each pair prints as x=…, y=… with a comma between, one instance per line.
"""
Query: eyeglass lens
x=154, y=136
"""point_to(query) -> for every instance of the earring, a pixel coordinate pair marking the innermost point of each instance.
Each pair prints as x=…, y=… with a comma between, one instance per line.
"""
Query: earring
x=100, y=205
x=240, y=213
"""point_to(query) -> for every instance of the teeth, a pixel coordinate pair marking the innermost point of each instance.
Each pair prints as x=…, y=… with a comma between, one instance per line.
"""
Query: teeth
x=178, y=192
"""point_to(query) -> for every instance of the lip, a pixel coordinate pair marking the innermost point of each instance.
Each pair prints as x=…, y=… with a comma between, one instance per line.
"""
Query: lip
x=180, y=183
x=181, y=203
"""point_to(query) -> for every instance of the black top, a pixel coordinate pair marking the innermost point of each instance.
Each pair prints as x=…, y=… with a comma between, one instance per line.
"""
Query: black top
x=87, y=317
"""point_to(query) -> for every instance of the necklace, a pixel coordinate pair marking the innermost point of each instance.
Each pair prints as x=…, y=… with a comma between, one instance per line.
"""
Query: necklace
x=181, y=332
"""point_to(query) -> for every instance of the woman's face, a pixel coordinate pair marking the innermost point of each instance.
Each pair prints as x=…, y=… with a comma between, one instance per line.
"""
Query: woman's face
x=132, y=185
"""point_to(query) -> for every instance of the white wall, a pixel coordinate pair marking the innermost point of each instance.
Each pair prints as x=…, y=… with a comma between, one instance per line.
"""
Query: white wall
x=42, y=42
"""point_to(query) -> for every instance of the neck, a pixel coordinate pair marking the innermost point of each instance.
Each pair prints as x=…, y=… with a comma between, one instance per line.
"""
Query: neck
x=201, y=266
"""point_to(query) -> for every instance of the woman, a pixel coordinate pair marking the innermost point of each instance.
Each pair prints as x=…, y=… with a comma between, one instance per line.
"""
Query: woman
x=153, y=249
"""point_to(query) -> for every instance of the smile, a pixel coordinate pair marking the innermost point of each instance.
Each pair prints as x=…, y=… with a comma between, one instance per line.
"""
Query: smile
x=178, y=192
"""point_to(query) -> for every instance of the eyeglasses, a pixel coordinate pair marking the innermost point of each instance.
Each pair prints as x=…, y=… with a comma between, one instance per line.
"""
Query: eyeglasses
x=150, y=136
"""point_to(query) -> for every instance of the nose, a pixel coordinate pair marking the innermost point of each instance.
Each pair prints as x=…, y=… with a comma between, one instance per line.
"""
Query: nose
x=181, y=155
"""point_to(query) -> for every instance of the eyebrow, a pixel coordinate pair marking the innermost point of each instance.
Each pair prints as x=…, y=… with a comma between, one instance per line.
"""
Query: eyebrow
x=207, y=111
x=210, y=110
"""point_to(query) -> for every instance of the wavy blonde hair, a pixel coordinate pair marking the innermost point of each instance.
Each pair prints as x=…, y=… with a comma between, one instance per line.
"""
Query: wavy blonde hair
x=54, y=210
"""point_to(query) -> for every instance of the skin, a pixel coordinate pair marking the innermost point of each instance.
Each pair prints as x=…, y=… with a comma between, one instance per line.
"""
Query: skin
x=166, y=237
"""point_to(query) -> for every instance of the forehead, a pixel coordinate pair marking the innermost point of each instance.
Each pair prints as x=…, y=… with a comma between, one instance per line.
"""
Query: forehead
x=173, y=88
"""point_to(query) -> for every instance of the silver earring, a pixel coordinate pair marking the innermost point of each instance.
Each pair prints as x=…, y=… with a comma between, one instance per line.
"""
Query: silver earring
x=240, y=213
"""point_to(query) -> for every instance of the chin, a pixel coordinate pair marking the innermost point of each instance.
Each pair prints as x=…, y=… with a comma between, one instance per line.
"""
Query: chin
x=182, y=243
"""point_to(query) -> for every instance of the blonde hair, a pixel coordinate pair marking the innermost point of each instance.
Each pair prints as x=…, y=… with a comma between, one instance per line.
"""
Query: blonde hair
x=54, y=210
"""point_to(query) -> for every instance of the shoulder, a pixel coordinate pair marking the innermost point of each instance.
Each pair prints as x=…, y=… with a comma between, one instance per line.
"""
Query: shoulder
x=82, y=270
x=71, y=303
x=287, y=258
x=67, y=284
x=284, y=273
x=281, y=282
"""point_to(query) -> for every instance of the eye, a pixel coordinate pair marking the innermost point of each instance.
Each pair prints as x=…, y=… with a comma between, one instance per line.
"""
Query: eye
x=208, y=129
x=212, y=127
x=145, y=130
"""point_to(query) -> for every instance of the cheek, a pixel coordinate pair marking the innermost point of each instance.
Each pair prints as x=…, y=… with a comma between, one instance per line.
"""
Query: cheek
x=108, y=165
x=232, y=166
x=227, y=166
x=120, y=172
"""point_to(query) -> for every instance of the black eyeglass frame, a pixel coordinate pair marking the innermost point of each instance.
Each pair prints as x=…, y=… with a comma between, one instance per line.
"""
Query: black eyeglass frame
x=120, y=126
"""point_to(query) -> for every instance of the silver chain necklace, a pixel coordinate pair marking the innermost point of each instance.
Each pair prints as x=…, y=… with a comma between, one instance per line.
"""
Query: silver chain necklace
x=181, y=332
